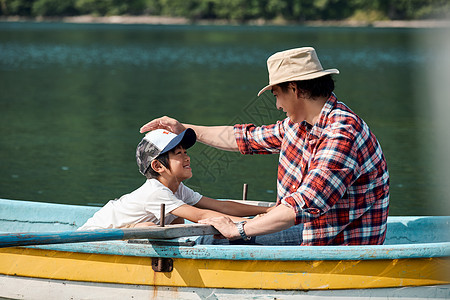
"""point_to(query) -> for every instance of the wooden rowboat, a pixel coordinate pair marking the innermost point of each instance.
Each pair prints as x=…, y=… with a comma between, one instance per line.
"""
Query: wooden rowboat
x=414, y=263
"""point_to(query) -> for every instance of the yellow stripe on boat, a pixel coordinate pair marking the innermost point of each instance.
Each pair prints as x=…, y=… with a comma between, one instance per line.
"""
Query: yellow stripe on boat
x=241, y=274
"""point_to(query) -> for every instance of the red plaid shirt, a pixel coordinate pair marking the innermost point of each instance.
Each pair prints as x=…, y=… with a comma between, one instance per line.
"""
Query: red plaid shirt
x=333, y=174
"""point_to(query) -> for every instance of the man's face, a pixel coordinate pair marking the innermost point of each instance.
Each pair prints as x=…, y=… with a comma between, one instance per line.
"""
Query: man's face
x=289, y=102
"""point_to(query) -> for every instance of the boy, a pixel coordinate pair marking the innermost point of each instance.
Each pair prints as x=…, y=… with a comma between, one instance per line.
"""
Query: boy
x=163, y=160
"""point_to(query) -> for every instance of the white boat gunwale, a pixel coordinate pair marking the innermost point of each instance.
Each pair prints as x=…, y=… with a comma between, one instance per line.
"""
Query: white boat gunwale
x=241, y=252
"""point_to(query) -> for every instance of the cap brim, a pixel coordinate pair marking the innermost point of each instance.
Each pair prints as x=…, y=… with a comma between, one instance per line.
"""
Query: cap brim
x=301, y=77
x=187, y=139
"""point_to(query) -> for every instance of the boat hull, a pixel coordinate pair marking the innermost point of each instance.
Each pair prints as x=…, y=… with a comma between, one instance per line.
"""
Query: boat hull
x=234, y=274
x=16, y=287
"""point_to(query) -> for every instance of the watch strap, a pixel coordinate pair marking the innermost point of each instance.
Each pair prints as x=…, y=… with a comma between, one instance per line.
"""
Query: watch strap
x=240, y=227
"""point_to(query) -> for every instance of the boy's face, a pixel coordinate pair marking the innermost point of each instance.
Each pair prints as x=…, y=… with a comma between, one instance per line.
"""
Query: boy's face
x=180, y=163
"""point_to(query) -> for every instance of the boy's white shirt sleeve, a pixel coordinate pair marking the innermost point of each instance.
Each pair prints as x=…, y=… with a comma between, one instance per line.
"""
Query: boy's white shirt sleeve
x=187, y=195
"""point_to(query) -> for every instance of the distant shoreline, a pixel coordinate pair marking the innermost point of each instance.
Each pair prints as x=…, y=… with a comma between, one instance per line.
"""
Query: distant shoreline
x=161, y=20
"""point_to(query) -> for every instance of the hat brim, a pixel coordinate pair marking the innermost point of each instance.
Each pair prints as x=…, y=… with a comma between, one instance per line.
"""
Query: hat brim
x=187, y=139
x=301, y=77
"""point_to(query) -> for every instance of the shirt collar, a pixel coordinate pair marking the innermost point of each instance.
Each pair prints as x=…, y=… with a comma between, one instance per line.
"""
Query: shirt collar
x=324, y=113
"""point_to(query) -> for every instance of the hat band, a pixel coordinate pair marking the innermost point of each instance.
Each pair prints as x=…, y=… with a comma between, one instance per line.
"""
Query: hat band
x=295, y=77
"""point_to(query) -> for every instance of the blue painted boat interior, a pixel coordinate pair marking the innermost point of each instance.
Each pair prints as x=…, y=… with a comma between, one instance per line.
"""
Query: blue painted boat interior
x=420, y=236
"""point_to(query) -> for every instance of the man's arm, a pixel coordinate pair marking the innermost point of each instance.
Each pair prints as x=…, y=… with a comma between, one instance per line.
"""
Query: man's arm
x=279, y=218
x=231, y=207
x=195, y=214
x=221, y=137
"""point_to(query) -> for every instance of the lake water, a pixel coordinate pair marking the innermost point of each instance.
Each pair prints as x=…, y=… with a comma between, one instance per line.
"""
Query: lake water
x=73, y=97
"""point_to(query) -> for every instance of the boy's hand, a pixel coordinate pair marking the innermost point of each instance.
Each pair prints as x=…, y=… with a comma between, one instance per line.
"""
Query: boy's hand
x=143, y=224
x=163, y=123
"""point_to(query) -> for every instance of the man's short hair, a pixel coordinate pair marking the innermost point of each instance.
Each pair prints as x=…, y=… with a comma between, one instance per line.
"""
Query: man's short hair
x=317, y=87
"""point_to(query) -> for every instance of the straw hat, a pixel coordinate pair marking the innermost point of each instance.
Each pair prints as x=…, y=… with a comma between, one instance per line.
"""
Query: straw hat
x=295, y=64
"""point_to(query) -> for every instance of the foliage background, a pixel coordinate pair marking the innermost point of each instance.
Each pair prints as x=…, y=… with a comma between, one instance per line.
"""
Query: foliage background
x=236, y=10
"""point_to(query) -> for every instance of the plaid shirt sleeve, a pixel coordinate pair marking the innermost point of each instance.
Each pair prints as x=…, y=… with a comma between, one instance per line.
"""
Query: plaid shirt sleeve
x=330, y=172
x=259, y=140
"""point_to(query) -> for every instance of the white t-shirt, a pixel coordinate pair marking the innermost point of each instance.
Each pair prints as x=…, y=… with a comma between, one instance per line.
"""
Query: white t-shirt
x=142, y=205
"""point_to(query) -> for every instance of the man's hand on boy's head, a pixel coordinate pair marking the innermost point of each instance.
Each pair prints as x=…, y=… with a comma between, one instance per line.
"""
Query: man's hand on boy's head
x=163, y=123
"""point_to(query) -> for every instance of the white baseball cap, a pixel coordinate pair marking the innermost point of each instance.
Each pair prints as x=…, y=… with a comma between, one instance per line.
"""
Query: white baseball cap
x=160, y=141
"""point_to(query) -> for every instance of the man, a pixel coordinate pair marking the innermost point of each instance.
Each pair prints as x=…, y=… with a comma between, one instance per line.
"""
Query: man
x=332, y=174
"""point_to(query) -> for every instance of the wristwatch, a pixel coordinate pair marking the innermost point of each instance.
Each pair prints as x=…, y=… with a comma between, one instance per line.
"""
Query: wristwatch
x=240, y=227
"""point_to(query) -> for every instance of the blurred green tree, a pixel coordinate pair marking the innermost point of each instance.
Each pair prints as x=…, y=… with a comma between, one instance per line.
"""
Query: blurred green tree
x=237, y=10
